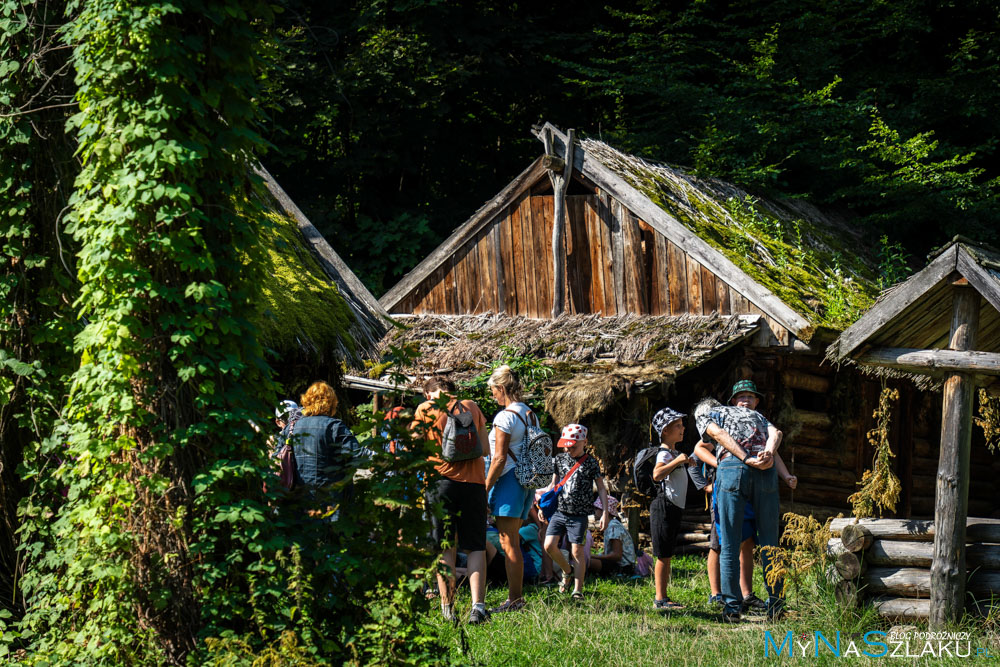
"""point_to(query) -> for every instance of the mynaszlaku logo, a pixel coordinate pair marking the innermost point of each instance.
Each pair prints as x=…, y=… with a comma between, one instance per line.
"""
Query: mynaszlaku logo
x=872, y=644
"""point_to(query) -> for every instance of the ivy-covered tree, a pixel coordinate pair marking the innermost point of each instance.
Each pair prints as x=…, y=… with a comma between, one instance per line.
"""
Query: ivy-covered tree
x=130, y=369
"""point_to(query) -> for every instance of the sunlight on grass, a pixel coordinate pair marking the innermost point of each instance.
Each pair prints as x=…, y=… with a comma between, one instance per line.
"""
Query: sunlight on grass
x=616, y=626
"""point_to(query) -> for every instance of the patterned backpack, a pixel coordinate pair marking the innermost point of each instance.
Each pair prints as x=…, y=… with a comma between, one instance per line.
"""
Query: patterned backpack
x=535, y=467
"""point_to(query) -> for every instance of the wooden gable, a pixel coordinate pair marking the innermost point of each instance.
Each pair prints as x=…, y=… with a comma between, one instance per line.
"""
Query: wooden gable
x=623, y=255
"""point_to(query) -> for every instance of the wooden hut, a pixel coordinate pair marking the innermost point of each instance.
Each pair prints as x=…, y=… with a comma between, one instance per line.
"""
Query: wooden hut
x=633, y=252
x=943, y=326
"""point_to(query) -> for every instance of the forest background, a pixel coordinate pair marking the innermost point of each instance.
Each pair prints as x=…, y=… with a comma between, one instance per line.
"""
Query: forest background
x=135, y=529
x=402, y=118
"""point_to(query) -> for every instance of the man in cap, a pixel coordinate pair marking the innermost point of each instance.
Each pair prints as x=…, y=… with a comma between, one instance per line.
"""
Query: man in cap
x=746, y=445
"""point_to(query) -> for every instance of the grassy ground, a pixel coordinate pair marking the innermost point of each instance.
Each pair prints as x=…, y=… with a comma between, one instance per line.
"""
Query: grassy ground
x=616, y=626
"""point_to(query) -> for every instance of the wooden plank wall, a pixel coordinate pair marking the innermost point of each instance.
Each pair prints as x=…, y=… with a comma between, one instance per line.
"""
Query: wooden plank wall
x=615, y=263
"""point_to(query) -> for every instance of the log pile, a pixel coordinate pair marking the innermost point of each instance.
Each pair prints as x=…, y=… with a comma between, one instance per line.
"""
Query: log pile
x=693, y=537
x=889, y=560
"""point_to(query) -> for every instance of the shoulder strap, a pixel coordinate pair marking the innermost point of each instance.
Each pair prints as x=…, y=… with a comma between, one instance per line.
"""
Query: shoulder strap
x=571, y=471
x=518, y=415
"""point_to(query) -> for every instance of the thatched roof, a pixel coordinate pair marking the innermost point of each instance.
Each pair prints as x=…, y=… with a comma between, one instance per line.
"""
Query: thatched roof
x=817, y=263
x=313, y=306
x=595, y=360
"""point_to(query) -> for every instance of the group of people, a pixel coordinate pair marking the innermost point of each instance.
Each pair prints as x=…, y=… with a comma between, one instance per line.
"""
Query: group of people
x=498, y=526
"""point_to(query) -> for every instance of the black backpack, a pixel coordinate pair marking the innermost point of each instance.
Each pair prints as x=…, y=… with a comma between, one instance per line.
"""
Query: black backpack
x=642, y=471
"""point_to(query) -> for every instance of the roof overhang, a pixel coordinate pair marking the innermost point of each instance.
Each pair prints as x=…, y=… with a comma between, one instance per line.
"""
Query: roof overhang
x=916, y=314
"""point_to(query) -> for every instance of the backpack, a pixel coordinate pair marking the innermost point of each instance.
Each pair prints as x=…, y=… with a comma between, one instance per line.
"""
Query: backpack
x=289, y=467
x=535, y=467
x=459, y=438
x=642, y=471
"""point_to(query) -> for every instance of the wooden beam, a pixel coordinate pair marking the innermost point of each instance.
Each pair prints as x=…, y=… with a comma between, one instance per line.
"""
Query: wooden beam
x=463, y=233
x=933, y=361
x=920, y=554
x=687, y=240
x=553, y=162
x=977, y=529
x=987, y=282
x=952, y=497
x=560, y=184
x=890, y=307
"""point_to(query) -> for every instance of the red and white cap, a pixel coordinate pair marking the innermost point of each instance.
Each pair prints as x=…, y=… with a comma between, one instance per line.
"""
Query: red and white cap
x=571, y=434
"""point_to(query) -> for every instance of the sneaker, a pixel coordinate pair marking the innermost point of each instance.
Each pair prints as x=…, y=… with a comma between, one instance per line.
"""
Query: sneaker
x=479, y=614
x=509, y=605
x=754, y=604
x=448, y=612
x=776, y=614
x=730, y=617
x=715, y=600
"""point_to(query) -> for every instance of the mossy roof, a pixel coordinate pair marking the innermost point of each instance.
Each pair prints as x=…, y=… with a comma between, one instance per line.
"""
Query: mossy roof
x=310, y=306
x=816, y=263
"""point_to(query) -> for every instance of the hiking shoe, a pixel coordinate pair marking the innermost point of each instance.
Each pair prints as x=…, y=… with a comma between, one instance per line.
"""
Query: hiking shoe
x=730, y=617
x=448, y=612
x=715, y=600
x=509, y=605
x=479, y=614
x=754, y=604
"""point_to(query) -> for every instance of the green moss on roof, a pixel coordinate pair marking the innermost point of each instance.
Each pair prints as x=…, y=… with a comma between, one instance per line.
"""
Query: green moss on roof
x=299, y=307
x=819, y=268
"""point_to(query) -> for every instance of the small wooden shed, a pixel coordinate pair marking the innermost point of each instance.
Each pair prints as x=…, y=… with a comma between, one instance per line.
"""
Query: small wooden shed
x=943, y=324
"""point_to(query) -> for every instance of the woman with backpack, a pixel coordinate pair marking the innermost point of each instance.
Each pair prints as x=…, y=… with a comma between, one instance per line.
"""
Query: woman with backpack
x=326, y=452
x=460, y=433
x=509, y=502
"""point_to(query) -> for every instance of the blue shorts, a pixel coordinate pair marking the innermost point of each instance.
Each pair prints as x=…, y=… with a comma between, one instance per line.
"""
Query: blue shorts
x=509, y=499
x=574, y=527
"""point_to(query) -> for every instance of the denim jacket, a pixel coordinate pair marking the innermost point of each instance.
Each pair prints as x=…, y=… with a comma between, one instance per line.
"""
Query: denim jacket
x=325, y=452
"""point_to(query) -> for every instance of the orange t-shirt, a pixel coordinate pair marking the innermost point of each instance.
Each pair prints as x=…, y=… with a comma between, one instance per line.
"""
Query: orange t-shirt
x=471, y=470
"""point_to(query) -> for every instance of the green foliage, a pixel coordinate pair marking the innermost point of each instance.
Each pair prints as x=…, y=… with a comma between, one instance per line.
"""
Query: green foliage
x=530, y=371
x=893, y=263
x=872, y=106
x=129, y=382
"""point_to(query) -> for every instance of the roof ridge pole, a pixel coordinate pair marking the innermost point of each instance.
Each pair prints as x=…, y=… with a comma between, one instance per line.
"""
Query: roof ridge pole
x=560, y=184
x=952, y=499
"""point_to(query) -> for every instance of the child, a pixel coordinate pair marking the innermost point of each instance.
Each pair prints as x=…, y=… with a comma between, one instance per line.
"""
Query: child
x=575, y=475
x=665, y=512
x=619, y=550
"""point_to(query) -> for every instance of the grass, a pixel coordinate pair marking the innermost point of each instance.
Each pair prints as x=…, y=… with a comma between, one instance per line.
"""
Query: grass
x=616, y=626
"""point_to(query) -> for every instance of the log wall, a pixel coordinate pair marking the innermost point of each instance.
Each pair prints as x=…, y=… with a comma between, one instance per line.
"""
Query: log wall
x=894, y=569
x=615, y=264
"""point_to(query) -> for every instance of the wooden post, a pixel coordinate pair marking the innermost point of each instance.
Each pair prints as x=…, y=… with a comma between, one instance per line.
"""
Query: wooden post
x=560, y=184
x=952, y=498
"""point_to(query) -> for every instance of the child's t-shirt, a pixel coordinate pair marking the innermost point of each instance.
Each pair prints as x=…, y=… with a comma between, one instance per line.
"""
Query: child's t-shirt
x=674, y=485
x=576, y=496
x=616, y=531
